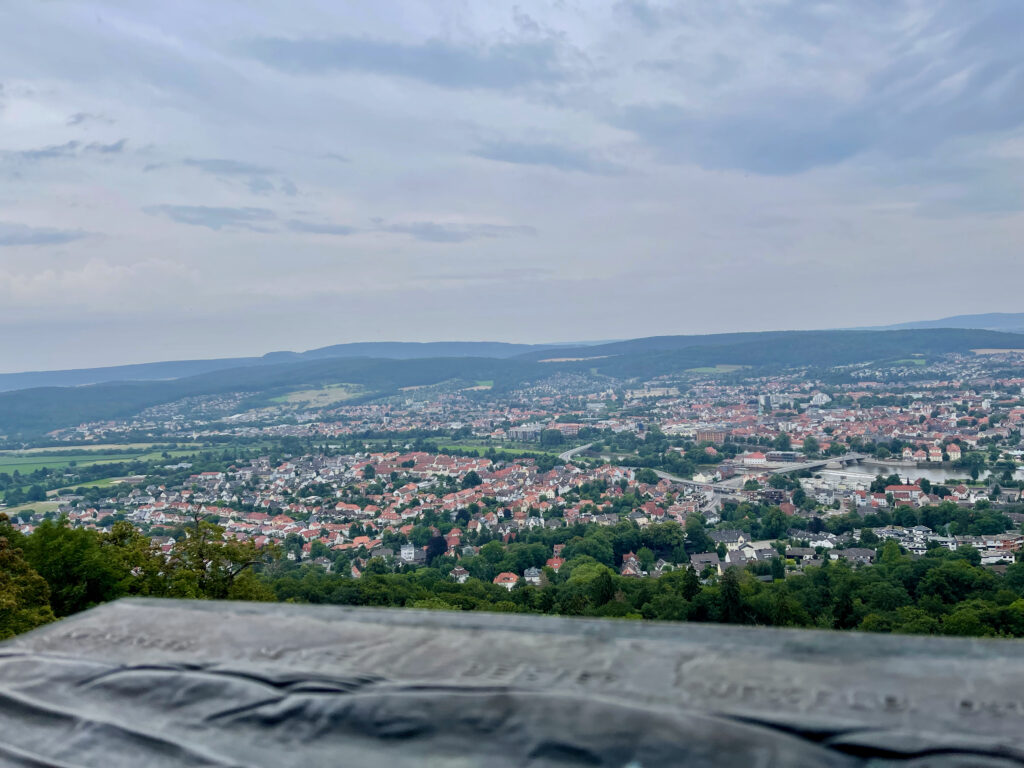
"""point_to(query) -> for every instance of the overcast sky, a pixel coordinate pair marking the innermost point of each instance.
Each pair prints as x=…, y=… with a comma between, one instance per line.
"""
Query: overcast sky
x=201, y=179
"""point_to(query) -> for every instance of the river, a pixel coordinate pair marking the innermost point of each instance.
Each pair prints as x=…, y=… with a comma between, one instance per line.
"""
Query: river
x=865, y=473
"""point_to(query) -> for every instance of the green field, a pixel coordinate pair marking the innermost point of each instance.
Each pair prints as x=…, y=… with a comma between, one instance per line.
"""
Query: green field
x=36, y=506
x=104, y=483
x=321, y=397
x=26, y=463
x=517, y=449
x=506, y=449
x=92, y=447
x=717, y=369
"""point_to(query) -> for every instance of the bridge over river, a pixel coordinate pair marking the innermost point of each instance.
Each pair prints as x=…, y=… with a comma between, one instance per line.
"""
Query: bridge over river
x=733, y=483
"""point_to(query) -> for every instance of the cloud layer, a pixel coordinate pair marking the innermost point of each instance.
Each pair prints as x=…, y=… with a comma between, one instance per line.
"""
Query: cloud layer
x=294, y=177
x=21, y=234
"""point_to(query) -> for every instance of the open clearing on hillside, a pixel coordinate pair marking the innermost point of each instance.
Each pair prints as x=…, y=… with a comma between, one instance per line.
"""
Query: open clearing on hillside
x=36, y=506
x=26, y=464
x=319, y=398
x=104, y=483
x=717, y=369
x=504, y=448
x=572, y=359
x=56, y=449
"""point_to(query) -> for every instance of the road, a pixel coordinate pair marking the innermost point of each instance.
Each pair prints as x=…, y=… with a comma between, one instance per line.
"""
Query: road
x=675, y=479
x=567, y=455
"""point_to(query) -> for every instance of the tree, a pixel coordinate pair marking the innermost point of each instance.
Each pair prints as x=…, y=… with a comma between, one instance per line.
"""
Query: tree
x=419, y=536
x=550, y=437
x=318, y=549
x=646, y=475
x=811, y=446
x=79, y=573
x=697, y=539
x=35, y=493
x=602, y=587
x=646, y=558
x=205, y=565
x=135, y=558
x=891, y=552
x=24, y=594
x=731, y=608
x=369, y=472
x=436, y=547
x=471, y=479
x=691, y=583
x=493, y=552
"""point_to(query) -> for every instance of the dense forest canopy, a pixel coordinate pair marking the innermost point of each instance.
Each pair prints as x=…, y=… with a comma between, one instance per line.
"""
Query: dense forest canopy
x=59, y=570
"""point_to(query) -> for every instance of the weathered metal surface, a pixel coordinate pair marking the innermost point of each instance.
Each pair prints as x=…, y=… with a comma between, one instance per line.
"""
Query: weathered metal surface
x=160, y=683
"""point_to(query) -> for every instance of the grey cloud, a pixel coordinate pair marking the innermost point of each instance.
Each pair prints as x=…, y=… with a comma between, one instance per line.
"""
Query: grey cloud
x=441, y=63
x=434, y=232
x=214, y=217
x=960, y=186
x=107, y=149
x=257, y=176
x=21, y=234
x=425, y=231
x=551, y=155
x=49, y=152
x=335, y=156
x=524, y=273
x=295, y=225
x=224, y=167
x=957, y=74
x=86, y=117
x=259, y=185
x=767, y=144
x=67, y=149
x=641, y=12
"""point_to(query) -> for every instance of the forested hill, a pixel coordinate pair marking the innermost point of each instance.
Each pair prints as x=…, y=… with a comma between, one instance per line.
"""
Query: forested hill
x=33, y=411
x=178, y=369
x=800, y=347
x=1010, y=322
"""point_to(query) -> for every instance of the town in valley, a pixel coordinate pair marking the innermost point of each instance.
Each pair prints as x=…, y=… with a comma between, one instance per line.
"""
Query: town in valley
x=569, y=493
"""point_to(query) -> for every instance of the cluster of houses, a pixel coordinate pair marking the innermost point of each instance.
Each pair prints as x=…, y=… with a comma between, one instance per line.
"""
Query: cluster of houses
x=348, y=503
x=933, y=453
x=994, y=548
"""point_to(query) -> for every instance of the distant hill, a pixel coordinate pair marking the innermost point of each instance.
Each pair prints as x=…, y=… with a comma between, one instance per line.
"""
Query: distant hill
x=405, y=350
x=177, y=369
x=1009, y=322
x=656, y=344
x=38, y=410
x=174, y=369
